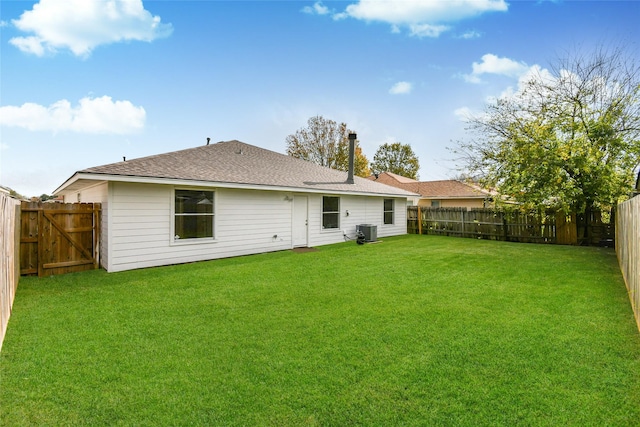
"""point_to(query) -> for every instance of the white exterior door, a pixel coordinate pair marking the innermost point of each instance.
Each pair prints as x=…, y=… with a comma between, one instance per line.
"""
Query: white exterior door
x=300, y=221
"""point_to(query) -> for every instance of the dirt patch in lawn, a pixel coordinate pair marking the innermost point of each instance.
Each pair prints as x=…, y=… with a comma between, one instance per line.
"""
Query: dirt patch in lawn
x=303, y=250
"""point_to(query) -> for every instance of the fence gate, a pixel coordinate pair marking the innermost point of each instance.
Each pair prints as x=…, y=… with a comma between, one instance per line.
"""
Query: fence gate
x=566, y=231
x=58, y=238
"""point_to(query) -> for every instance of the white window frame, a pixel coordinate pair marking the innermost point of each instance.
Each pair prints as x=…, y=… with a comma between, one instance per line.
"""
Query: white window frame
x=195, y=240
x=392, y=211
x=336, y=212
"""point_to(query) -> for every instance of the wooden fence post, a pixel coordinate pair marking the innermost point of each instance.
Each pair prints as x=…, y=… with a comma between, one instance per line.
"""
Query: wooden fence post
x=41, y=235
x=17, y=232
x=419, y=221
x=97, y=211
x=505, y=227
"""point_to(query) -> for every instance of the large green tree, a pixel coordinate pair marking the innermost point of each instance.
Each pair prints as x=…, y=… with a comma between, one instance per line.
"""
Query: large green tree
x=326, y=143
x=396, y=158
x=568, y=138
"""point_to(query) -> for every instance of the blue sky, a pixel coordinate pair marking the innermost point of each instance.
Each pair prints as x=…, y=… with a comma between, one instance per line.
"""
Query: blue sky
x=84, y=83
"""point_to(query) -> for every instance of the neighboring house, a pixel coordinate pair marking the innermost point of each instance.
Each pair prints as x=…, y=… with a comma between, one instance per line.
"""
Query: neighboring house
x=438, y=194
x=227, y=199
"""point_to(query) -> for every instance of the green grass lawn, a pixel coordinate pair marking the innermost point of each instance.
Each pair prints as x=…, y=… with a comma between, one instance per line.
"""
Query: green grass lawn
x=415, y=330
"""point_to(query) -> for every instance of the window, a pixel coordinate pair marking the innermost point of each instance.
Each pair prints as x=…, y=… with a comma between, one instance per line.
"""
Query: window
x=435, y=203
x=330, y=212
x=193, y=214
x=388, y=211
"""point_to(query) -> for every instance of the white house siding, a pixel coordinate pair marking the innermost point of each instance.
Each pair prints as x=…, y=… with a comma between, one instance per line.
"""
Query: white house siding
x=137, y=223
x=362, y=210
x=246, y=222
x=249, y=221
x=399, y=225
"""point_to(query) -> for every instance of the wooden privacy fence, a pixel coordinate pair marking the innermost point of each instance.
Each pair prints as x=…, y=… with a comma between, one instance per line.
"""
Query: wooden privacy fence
x=59, y=238
x=513, y=226
x=9, y=266
x=594, y=230
x=628, y=249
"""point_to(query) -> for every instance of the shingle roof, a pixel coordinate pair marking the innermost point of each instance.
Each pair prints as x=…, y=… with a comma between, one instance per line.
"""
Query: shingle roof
x=446, y=188
x=235, y=162
x=432, y=189
x=390, y=177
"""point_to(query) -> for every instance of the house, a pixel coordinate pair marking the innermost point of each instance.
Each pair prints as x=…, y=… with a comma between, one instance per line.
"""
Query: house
x=227, y=199
x=438, y=194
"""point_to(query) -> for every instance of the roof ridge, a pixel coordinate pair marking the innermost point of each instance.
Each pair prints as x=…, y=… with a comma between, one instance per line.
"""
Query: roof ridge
x=224, y=162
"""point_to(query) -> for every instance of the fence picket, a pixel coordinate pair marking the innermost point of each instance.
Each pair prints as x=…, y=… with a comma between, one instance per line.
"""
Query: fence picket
x=628, y=250
x=59, y=238
x=9, y=261
x=516, y=226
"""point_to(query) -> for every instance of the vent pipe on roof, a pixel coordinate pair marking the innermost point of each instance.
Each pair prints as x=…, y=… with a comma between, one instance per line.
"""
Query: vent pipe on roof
x=208, y=140
x=352, y=150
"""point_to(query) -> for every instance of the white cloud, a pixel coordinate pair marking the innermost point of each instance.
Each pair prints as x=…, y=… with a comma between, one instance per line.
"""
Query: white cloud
x=82, y=25
x=401, y=88
x=464, y=113
x=520, y=92
x=423, y=18
x=317, y=9
x=427, y=30
x=91, y=115
x=29, y=44
x=533, y=73
x=492, y=64
x=469, y=35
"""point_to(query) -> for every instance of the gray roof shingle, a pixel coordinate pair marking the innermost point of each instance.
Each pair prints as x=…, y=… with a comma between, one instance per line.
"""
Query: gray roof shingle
x=235, y=162
x=449, y=188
